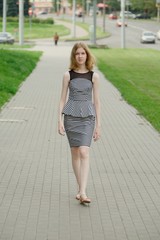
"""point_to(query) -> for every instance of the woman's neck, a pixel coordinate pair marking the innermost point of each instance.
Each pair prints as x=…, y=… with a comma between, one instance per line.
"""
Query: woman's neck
x=82, y=69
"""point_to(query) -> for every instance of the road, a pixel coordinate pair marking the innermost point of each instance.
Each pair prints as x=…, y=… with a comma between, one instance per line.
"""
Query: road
x=132, y=32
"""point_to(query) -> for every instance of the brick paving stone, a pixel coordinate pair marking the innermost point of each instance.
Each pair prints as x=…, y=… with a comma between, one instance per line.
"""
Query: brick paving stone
x=37, y=184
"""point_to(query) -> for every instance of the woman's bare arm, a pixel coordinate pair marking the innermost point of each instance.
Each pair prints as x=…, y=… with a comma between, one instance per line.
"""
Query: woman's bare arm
x=62, y=102
x=96, y=99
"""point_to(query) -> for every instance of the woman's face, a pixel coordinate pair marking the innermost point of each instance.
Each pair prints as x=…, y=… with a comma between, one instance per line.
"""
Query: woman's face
x=81, y=56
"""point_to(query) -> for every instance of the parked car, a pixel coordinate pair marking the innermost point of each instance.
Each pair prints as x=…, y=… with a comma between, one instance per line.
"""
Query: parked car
x=91, y=12
x=158, y=35
x=79, y=13
x=148, y=37
x=128, y=14
x=119, y=23
x=142, y=16
x=112, y=16
x=6, y=37
x=42, y=13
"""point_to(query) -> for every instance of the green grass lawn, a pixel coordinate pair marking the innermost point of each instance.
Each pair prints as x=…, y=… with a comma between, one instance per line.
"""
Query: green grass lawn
x=40, y=30
x=136, y=73
x=37, y=30
x=15, y=66
x=47, y=31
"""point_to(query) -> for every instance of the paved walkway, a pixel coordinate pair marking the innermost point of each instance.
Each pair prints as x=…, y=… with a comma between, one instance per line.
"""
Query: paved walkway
x=79, y=32
x=37, y=184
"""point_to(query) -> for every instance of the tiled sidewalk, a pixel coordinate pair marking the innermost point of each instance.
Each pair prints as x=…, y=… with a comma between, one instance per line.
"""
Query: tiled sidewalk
x=37, y=184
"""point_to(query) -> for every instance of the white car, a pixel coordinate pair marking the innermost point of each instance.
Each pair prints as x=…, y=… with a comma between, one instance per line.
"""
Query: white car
x=6, y=37
x=148, y=37
x=79, y=13
x=42, y=12
x=128, y=14
x=91, y=12
x=158, y=35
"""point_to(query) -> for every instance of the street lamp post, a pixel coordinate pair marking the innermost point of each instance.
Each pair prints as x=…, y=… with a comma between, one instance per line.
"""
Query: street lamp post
x=94, y=20
x=4, y=14
x=84, y=10
x=158, y=10
x=123, y=24
x=74, y=19
x=21, y=22
x=88, y=5
x=104, y=15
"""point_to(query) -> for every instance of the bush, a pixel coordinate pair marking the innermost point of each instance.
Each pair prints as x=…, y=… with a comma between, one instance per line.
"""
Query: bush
x=27, y=19
x=47, y=21
x=38, y=20
x=11, y=19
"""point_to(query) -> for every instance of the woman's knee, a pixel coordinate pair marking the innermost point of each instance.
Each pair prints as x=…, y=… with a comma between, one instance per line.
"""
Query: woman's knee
x=84, y=152
x=75, y=152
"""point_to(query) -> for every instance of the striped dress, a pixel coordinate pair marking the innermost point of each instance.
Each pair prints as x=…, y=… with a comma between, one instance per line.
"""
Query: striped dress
x=79, y=111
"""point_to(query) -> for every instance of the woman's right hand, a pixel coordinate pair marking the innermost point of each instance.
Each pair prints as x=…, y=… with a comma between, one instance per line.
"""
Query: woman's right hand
x=61, y=129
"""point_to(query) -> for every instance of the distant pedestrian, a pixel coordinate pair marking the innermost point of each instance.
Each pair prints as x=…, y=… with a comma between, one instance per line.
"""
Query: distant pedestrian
x=56, y=38
x=81, y=120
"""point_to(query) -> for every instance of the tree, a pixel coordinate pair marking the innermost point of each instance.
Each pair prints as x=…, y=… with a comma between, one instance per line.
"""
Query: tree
x=1, y=8
x=26, y=7
x=79, y=2
x=114, y=5
x=13, y=8
x=143, y=5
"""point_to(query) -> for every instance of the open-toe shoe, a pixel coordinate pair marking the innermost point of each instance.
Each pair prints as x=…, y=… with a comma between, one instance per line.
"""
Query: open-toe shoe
x=84, y=199
x=78, y=196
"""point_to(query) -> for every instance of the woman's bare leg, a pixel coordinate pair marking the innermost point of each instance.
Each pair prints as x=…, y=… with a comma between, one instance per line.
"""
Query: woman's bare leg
x=84, y=168
x=80, y=164
x=76, y=164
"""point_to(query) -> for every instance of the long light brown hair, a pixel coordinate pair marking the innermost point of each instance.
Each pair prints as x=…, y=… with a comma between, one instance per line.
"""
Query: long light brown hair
x=90, y=61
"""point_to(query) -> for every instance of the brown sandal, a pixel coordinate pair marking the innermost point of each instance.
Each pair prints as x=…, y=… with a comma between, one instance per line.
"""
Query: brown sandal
x=84, y=199
x=78, y=196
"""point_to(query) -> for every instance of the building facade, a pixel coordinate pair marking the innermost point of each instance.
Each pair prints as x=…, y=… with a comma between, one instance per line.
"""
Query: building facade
x=49, y=6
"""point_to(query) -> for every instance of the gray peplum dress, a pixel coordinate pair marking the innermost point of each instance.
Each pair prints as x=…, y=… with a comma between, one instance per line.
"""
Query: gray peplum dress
x=79, y=111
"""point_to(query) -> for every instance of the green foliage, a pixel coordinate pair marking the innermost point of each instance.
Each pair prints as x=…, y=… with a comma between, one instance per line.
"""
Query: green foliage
x=15, y=66
x=114, y=5
x=26, y=7
x=1, y=7
x=41, y=21
x=13, y=8
x=143, y=5
x=135, y=72
x=11, y=19
x=78, y=2
x=27, y=19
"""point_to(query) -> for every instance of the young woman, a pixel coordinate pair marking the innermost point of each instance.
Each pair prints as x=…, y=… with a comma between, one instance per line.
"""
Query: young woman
x=81, y=112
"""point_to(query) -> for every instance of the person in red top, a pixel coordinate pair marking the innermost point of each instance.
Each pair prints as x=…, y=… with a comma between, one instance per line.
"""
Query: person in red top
x=56, y=38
